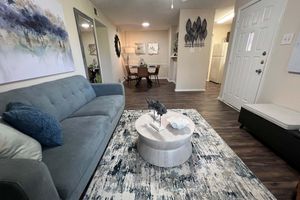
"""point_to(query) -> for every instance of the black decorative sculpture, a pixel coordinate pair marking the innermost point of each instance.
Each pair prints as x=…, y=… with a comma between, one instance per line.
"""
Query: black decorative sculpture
x=158, y=108
x=196, y=33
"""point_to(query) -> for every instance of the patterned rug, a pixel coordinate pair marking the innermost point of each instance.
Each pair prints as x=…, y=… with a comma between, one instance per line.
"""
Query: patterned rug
x=213, y=171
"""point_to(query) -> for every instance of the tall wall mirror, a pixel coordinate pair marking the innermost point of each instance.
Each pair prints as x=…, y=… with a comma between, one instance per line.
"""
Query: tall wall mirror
x=89, y=49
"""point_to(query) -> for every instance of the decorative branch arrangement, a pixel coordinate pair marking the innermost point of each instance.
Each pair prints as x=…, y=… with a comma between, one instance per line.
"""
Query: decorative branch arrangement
x=156, y=106
x=159, y=109
x=196, y=33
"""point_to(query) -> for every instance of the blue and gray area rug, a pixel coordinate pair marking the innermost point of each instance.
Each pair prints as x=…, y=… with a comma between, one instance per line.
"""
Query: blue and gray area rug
x=213, y=171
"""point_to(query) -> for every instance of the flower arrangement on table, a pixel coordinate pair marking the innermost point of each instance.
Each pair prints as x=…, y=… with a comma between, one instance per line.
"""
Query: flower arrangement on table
x=142, y=63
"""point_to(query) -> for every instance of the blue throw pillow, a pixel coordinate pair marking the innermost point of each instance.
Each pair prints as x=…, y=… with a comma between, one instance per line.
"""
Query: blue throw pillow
x=31, y=121
x=18, y=106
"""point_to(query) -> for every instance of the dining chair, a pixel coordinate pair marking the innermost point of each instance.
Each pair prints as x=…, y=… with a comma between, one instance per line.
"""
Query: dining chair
x=155, y=74
x=130, y=75
x=143, y=73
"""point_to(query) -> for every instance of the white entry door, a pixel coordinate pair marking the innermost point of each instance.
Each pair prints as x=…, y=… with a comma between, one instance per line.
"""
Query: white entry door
x=255, y=30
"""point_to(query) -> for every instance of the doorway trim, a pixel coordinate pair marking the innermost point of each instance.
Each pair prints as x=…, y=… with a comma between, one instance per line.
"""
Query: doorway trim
x=234, y=41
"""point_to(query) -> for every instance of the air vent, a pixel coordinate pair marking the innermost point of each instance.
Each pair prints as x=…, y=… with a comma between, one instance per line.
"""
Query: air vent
x=95, y=11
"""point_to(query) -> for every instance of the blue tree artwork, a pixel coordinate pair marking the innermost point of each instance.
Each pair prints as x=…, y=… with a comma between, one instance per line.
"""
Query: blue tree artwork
x=34, y=40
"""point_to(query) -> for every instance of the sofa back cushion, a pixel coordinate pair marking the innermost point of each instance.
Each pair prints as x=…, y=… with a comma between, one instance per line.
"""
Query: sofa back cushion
x=60, y=98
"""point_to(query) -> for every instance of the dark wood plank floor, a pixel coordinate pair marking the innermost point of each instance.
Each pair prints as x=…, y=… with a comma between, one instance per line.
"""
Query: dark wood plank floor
x=276, y=175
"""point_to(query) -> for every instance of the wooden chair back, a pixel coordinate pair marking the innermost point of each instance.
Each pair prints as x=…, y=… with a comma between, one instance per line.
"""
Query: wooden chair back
x=127, y=70
x=157, y=70
x=143, y=72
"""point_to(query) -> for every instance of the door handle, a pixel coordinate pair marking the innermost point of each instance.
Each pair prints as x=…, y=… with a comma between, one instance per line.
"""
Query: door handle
x=264, y=53
x=258, y=71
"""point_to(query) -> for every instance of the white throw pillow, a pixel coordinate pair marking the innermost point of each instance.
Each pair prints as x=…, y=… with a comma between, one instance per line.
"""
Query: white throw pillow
x=14, y=144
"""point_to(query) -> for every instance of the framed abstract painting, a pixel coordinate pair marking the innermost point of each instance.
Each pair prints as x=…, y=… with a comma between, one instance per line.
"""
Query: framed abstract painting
x=34, y=40
x=153, y=48
x=140, y=48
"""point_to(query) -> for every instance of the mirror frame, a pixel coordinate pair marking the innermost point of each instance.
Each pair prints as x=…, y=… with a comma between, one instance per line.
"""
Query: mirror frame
x=76, y=14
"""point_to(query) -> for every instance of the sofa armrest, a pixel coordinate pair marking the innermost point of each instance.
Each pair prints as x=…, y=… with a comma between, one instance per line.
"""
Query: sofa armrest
x=102, y=89
x=26, y=179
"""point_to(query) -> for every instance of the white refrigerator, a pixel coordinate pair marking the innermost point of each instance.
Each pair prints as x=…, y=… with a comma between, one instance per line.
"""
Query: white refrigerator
x=218, y=62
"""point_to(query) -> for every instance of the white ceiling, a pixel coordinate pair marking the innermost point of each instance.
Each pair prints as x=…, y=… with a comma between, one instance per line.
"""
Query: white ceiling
x=129, y=14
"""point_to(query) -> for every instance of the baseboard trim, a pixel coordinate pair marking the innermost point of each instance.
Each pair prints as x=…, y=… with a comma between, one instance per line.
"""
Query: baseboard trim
x=163, y=77
x=189, y=90
x=171, y=81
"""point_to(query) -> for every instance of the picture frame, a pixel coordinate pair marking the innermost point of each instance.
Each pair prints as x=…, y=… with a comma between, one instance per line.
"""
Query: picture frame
x=93, y=49
x=140, y=48
x=153, y=48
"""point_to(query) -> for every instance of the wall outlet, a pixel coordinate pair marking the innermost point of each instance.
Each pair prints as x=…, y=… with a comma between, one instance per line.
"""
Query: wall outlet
x=287, y=38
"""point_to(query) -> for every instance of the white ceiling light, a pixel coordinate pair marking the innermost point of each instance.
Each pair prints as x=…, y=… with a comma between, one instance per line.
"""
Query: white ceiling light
x=145, y=24
x=226, y=18
x=172, y=4
x=85, y=25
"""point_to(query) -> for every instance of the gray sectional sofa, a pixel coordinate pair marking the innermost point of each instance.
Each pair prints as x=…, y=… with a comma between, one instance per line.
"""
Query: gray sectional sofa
x=88, y=115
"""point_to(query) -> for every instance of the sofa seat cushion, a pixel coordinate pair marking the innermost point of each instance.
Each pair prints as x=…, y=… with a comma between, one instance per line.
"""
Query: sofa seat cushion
x=69, y=162
x=103, y=105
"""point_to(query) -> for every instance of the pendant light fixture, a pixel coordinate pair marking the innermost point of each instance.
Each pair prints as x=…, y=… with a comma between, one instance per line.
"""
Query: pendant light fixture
x=172, y=4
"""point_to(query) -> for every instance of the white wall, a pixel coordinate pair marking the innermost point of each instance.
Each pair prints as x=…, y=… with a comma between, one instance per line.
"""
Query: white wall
x=86, y=7
x=193, y=62
x=160, y=37
x=220, y=32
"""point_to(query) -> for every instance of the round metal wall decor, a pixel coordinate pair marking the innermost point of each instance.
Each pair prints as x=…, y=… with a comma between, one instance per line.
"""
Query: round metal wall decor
x=117, y=45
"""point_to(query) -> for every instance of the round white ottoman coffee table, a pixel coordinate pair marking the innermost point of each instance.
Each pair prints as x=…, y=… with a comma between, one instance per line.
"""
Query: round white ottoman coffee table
x=167, y=148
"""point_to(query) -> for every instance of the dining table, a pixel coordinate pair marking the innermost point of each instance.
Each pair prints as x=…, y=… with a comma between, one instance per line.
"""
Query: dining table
x=150, y=68
x=134, y=68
